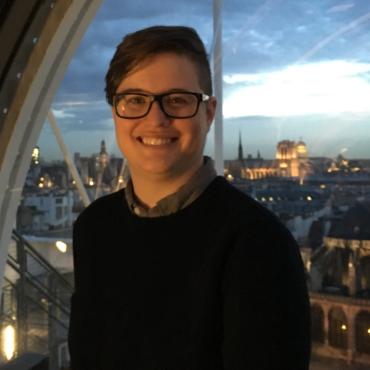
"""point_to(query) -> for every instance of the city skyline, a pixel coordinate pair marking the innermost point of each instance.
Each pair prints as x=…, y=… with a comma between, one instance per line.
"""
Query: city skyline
x=247, y=155
x=291, y=71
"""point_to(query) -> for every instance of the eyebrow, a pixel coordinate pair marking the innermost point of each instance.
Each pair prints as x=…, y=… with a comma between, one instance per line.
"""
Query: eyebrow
x=141, y=91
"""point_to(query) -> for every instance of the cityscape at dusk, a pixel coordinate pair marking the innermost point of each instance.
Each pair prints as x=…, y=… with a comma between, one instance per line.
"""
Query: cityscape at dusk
x=291, y=70
x=261, y=256
x=324, y=202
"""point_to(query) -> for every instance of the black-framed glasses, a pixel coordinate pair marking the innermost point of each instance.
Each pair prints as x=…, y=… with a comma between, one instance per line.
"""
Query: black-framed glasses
x=183, y=104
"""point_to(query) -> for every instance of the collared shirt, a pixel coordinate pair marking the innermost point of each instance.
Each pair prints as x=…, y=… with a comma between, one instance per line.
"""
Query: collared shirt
x=172, y=203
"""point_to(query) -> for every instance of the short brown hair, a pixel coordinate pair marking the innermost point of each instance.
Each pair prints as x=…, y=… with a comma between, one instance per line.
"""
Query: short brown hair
x=145, y=43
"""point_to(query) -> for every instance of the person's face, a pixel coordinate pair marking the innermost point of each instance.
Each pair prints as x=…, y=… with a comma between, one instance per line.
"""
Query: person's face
x=156, y=144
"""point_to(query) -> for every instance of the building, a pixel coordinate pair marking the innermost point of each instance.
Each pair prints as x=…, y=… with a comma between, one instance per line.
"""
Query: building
x=100, y=171
x=46, y=210
x=340, y=288
x=291, y=160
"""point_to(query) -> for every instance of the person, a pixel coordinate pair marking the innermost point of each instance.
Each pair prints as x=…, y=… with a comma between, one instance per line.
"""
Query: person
x=180, y=270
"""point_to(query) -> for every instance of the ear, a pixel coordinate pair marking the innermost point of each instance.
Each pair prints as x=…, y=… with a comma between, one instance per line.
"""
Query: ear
x=114, y=114
x=211, y=110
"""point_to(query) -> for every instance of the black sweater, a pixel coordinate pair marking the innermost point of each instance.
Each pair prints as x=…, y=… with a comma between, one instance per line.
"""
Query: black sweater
x=218, y=285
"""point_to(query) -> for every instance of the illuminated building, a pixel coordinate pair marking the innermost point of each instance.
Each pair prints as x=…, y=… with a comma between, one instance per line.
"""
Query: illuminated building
x=291, y=160
x=99, y=170
x=343, y=261
x=340, y=288
x=46, y=210
x=36, y=155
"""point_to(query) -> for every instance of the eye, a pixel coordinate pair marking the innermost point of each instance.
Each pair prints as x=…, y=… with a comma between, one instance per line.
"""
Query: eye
x=179, y=99
x=132, y=99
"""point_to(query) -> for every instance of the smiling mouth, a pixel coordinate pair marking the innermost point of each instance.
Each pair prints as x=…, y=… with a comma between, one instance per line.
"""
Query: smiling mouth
x=156, y=141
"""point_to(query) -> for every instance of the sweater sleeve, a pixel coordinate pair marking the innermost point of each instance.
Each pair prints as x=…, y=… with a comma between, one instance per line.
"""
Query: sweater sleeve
x=265, y=303
x=83, y=328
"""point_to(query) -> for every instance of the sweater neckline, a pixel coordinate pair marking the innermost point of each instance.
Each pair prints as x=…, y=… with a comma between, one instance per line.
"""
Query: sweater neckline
x=196, y=205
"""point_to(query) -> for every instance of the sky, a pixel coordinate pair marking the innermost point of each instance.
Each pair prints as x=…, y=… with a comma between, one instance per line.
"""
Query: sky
x=292, y=70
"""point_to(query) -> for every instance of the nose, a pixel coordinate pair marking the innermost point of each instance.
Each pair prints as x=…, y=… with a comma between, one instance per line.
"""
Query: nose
x=157, y=116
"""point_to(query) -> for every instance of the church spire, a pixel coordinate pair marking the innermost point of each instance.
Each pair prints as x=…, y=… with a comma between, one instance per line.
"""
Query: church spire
x=240, y=148
x=103, y=149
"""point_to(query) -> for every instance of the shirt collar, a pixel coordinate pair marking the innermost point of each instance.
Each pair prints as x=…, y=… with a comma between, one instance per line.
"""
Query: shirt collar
x=172, y=203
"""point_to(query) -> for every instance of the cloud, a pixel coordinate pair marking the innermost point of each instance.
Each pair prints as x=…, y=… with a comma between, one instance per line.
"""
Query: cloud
x=73, y=103
x=262, y=40
x=76, y=114
x=301, y=28
x=341, y=8
x=329, y=87
x=336, y=34
x=141, y=9
x=61, y=114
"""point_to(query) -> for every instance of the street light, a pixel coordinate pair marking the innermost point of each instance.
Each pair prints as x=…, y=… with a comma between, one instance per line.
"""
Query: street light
x=61, y=246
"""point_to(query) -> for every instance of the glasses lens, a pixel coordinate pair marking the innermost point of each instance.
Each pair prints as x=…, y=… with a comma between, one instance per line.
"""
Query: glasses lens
x=177, y=105
x=132, y=105
x=180, y=104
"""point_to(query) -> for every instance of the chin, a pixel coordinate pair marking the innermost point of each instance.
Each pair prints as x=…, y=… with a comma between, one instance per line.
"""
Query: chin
x=163, y=172
x=173, y=170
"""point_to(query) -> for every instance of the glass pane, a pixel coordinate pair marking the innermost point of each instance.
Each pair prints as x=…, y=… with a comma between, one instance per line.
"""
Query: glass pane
x=296, y=122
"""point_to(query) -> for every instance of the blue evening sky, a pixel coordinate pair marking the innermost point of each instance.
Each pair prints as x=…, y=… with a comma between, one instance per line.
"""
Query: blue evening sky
x=293, y=69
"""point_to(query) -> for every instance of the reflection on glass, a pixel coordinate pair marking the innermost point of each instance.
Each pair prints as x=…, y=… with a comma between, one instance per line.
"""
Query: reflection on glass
x=8, y=340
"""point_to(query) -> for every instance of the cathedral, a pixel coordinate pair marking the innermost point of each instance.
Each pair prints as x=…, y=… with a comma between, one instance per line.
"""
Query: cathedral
x=291, y=160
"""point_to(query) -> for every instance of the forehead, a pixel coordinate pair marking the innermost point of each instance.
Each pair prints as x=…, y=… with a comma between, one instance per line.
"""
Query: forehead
x=162, y=72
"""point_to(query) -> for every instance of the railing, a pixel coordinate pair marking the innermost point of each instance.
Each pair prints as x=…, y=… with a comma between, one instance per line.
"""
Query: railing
x=34, y=267
x=36, y=299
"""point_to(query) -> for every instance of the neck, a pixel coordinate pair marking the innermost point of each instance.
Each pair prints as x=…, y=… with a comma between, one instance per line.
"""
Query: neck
x=149, y=190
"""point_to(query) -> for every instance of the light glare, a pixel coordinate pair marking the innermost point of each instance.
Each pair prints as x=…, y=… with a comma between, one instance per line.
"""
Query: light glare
x=9, y=342
x=62, y=247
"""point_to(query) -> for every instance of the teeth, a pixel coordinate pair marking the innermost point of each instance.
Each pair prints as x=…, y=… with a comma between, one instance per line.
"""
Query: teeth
x=155, y=141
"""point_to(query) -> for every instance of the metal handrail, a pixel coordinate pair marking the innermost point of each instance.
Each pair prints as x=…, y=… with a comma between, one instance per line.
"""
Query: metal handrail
x=48, y=313
x=33, y=252
x=40, y=287
x=27, y=250
x=43, y=289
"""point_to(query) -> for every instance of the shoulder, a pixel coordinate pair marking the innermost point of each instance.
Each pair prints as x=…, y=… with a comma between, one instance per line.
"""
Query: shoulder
x=102, y=209
x=243, y=206
x=254, y=223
